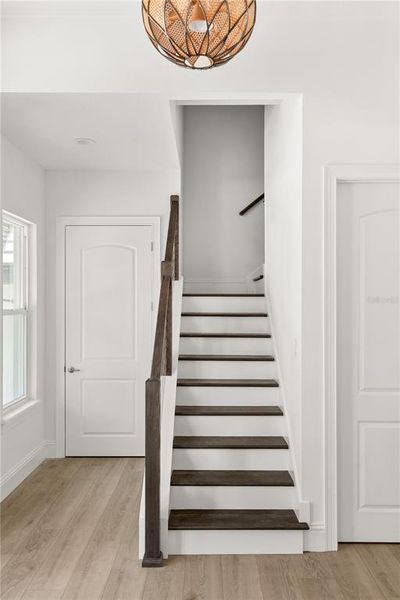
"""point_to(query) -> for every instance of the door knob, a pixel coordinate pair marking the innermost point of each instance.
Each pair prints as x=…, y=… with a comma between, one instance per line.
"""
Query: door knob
x=72, y=370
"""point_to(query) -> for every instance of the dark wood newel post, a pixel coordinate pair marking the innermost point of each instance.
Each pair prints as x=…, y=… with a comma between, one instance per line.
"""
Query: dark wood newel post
x=153, y=556
x=161, y=365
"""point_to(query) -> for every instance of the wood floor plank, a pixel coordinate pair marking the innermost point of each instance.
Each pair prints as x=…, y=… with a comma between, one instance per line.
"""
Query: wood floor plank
x=94, y=566
x=42, y=595
x=394, y=549
x=32, y=499
x=241, y=580
x=127, y=578
x=37, y=537
x=18, y=527
x=165, y=584
x=311, y=588
x=63, y=508
x=65, y=468
x=19, y=570
x=353, y=577
x=65, y=553
x=203, y=577
x=277, y=577
x=383, y=566
x=16, y=500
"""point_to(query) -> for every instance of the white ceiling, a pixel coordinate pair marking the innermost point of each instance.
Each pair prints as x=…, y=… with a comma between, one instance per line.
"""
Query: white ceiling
x=132, y=131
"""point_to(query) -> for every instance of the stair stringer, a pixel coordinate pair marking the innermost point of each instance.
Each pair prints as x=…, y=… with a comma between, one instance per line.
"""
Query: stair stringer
x=302, y=508
x=168, y=403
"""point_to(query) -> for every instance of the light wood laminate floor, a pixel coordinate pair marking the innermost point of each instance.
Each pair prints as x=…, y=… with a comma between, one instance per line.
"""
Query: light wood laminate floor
x=70, y=531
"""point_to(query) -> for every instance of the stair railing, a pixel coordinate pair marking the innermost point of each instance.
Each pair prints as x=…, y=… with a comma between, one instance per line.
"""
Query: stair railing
x=161, y=365
x=244, y=210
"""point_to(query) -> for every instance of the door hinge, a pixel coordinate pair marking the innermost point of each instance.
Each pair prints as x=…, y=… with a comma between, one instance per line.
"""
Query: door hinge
x=152, y=306
x=65, y=369
x=152, y=246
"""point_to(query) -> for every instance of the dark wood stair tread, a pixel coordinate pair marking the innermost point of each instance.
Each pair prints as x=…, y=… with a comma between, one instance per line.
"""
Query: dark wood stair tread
x=224, y=314
x=229, y=357
x=228, y=383
x=223, y=295
x=269, y=442
x=235, y=519
x=232, y=478
x=229, y=411
x=224, y=335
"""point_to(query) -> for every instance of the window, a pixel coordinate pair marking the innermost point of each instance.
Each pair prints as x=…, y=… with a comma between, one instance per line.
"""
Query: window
x=15, y=309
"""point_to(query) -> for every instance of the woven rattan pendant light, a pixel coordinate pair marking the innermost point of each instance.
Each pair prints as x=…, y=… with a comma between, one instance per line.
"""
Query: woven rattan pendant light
x=199, y=34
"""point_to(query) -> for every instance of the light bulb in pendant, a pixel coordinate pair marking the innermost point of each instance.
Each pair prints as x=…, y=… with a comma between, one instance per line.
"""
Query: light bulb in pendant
x=197, y=23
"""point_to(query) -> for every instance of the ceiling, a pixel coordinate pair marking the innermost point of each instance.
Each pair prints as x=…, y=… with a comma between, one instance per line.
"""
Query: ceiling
x=132, y=131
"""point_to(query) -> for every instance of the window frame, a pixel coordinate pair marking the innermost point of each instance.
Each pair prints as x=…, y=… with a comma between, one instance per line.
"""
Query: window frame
x=29, y=283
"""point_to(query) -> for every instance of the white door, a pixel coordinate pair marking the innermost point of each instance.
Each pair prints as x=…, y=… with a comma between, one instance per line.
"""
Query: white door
x=109, y=275
x=368, y=354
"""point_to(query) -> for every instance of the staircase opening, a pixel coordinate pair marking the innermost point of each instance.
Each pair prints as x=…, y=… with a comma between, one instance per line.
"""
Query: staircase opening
x=223, y=172
x=221, y=476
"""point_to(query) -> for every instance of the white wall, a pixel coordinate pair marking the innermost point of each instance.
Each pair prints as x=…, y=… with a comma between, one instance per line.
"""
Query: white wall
x=341, y=56
x=96, y=193
x=23, y=444
x=223, y=170
x=283, y=238
x=177, y=124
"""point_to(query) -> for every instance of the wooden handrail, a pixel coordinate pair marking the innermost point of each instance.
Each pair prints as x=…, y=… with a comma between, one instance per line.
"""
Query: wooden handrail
x=161, y=365
x=249, y=206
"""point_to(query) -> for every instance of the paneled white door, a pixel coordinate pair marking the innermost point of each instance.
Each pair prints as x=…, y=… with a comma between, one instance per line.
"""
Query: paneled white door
x=109, y=275
x=368, y=355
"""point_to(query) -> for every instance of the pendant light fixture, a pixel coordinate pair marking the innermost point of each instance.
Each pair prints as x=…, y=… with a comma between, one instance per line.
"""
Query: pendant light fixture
x=199, y=34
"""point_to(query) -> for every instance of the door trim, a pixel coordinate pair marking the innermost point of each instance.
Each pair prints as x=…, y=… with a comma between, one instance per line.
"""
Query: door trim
x=61, y=224
x=333, y=175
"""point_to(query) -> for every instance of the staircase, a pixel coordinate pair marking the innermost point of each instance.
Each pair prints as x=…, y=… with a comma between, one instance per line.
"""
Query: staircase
x=232, y=489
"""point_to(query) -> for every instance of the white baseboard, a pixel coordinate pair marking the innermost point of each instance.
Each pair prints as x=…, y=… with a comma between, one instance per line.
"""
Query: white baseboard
x=15, y=476
x=315, y=538
x=21, y=470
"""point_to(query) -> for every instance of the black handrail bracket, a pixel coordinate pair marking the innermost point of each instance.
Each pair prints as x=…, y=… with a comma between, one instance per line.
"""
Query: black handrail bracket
x=249, y=206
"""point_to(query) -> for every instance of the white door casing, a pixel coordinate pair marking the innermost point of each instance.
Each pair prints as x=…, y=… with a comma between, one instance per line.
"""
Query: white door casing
x=109, y=288
x=368, y=361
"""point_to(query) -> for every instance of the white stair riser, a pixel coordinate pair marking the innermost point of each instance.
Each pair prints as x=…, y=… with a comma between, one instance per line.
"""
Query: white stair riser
x=228, y=396
x=223, y=304
x=225, y=324
x=223, y=425
x=221, y=287
x=215, y=345
x=226, y=369
x=235, y=542
x=241, y=459
x=225, y=497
